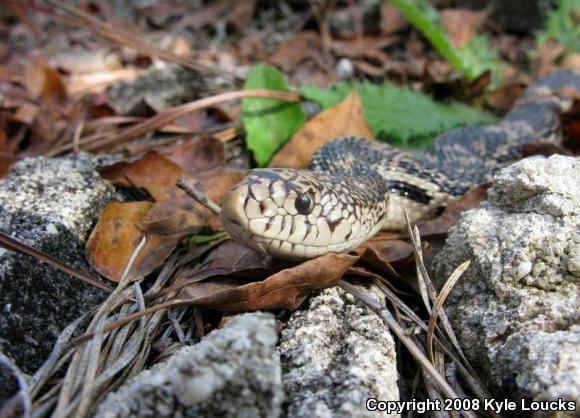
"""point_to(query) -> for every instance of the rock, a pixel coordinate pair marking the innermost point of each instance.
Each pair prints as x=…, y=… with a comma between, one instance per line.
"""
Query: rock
x=335, y=355
x=159, y=89
x=50, y=204
x=516, y=309
x=233, y=371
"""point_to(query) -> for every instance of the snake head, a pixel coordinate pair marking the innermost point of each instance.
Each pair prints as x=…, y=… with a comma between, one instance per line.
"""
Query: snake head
x=293, y=214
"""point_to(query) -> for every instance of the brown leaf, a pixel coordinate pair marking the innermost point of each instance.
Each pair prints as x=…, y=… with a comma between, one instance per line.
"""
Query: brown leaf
x=152, y=172
x=462, y=24
x=392, y=19
x=215, y=184
x=503, y=98
x=44, y=82
x=346, y=118
x=382, y=254
x=286, y=289
x=115, y=238
x=174, y=217
x=229, y=259
x=546, y=55
x=198, y=156
x=301, y=46
x=450, y=215
x=237, y=12
x=362, y=47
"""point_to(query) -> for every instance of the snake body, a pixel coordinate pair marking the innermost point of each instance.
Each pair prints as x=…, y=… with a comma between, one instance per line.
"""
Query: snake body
x=354, y=186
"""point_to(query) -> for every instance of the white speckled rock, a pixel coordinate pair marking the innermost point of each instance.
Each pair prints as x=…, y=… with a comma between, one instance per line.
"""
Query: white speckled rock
x=517, y=308
x=335, y=355
x=232, y=372
x=50, y=204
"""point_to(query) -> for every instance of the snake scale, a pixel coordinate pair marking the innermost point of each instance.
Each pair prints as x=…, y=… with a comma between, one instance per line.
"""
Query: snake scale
x=354, y=186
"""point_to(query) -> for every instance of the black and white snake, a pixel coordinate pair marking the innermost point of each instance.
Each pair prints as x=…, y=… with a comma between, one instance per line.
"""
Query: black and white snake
x=355, y=186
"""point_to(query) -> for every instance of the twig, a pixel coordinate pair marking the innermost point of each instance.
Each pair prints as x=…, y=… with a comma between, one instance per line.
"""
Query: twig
x=13, y=244
x=170, y=115
x=198, y=195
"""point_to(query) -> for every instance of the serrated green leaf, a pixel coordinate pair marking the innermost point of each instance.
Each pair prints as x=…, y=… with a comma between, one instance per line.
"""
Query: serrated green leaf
x=269, y=123
x=562, y=25
x=399, y=115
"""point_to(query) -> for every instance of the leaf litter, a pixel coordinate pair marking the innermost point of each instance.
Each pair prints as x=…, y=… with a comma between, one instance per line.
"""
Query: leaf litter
x=146, y=246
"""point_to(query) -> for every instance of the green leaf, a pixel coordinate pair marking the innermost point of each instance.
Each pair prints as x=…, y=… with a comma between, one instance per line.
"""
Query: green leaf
x=269, y=123
x=562, y=24
x=326, y=98
x=425, y=18
x=399, y=115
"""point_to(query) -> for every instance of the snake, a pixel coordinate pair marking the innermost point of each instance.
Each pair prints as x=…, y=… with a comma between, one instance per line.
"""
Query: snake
x=354, y=186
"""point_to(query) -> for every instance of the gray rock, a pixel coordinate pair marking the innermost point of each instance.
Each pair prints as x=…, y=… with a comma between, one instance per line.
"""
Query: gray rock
x=516, y=309
x=50, y=204
x=159, y=89
x=335, y=355
x=233, y=372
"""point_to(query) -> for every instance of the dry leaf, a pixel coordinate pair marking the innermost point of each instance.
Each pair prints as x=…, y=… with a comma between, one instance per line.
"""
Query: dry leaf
x=174, y=217
x=346, y=118
x=462, y=25
x=452, y=212
x=385, y=255
x=198, y=156
x=44, y=82
x=230, y=258
x=547, y=54
x=286, y=289
x=362, y=47
x=115, y=238
x=152, y=172
x=301, y=46
x=392, y=19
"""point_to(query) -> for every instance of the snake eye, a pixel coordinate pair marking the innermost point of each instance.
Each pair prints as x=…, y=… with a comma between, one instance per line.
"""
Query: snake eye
x=304, y=203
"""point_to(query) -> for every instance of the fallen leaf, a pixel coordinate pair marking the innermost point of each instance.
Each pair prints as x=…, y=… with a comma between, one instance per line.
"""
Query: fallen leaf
x=392, y=19
x=452, y=212
x=504, y=97
x=44, y=82
x=546, y=56
x=215, y=184
x=346, y=118
x=571, y=62
x=462, y=25
x=382, y=254
x=301, y=46
x=152, y=172
x=361, y=47
x=115, y=238
x=237, y=12
x=200, y=155
x=174, y=217
x=286, y=289
x=230, y=258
